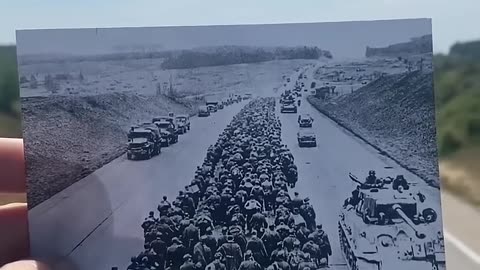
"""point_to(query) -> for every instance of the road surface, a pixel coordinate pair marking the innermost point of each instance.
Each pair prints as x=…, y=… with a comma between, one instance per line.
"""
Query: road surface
x=95, y=223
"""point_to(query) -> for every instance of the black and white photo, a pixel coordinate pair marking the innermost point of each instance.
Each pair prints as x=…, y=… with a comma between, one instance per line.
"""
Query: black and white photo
x=235, y=147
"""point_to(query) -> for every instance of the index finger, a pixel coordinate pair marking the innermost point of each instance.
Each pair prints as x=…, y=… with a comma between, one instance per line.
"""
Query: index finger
x=12, y=166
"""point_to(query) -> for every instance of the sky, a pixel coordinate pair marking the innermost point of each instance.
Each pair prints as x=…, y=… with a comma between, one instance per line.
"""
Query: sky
x=342, y=39
x=452, y=20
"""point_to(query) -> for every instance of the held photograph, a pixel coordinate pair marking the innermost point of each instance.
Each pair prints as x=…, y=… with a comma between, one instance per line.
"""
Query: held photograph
x=295, y=146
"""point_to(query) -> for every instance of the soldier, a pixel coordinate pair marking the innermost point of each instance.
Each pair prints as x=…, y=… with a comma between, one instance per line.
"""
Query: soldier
x=164, y=206
x=280, y=262
x=239, y=237
x=223, y=237
x=202, y=254
x=323, y=243
x=295, y=256
x=149, y=222
x=400, y=182
x=256, y=246
x=187, y=263
x=306, y=262
x=308, y=213
x=354, y=200
x=175, y=254
x=210, y=240
x=217, y=263
x=313, y=249
x=160, y=248
x=191, y=236
x=371, y=178
x=288, y=242
x=249, y=263
x=270, y=238
x=258, y=222
x=232, y=253
x=296, y=202
x=283, y=230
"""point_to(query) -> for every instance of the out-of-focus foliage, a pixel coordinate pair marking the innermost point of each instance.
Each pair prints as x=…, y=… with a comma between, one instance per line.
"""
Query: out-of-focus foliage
x=457, y=87
x=9, y=95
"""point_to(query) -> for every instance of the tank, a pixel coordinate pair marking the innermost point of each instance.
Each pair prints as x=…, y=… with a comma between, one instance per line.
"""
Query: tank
x=385, y=229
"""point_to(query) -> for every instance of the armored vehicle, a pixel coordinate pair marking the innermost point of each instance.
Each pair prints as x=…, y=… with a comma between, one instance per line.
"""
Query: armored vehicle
x=382, y=228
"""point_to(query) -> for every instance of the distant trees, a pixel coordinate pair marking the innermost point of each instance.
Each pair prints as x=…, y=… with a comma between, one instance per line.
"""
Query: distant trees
x=457, y=96
x=239, y=55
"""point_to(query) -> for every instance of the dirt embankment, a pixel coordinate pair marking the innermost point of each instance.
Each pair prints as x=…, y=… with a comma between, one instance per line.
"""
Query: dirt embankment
x=396, y=114
x=67, y=138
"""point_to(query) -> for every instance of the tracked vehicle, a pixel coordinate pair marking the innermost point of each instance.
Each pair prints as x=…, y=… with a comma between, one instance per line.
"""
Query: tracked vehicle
x=381, y=229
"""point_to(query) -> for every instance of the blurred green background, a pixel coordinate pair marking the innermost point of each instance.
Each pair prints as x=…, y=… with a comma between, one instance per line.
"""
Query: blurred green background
x=9, y=96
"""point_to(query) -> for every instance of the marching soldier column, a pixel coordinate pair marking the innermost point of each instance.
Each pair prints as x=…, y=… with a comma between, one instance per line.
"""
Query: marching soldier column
x=237, y=213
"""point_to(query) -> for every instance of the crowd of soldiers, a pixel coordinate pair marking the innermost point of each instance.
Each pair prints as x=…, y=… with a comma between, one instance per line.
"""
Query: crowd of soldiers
x=237, y=213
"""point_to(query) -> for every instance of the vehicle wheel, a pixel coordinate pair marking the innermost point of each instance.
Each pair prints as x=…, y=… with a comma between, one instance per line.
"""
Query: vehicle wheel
x=188, y=127
x=129, y=156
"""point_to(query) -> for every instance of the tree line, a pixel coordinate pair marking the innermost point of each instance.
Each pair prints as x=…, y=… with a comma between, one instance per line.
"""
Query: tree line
x=239, y=55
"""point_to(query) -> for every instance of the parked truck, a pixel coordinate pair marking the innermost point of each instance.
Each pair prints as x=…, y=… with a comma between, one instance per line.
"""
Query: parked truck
x=143, y=142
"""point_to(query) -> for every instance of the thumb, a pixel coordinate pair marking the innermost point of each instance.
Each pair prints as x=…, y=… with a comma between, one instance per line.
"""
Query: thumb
x=25, y=265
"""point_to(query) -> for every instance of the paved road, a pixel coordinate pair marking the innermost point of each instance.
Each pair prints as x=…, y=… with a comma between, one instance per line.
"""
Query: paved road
x=96, y=222
x=461, y=222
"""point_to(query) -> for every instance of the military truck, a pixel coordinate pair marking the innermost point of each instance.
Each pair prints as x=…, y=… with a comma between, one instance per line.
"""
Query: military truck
x=169, y=119
x=212, y=105
x=183, y=123
x=203, y=111
x=305, y=121
x=143, y=142
x=168, y=132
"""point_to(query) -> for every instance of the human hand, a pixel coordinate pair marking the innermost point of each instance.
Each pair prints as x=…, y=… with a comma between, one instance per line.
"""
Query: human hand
x=14, y=241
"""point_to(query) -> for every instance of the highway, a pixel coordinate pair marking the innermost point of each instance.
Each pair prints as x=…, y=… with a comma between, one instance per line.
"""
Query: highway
x=95, y=223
